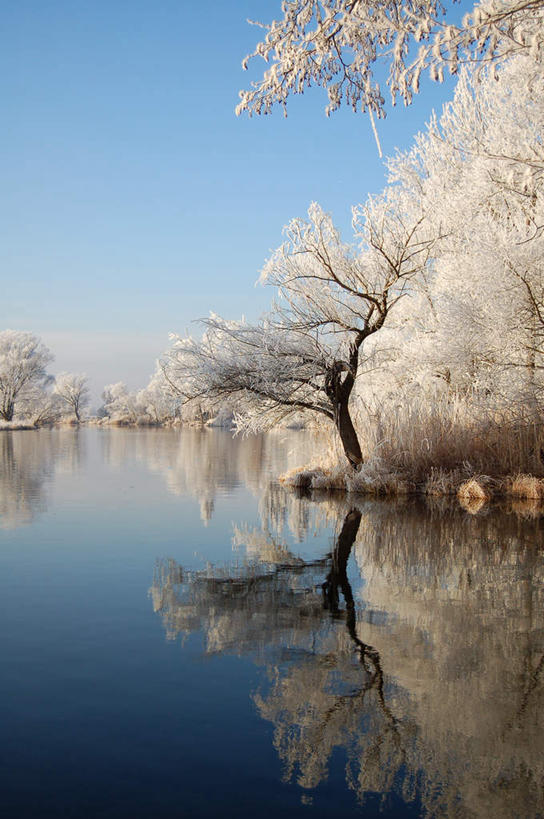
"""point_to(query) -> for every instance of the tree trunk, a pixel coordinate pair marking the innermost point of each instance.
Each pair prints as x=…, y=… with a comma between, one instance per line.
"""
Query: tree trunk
x=339, y=384
x=339, y=392
x=7, y=411
x=348, y=435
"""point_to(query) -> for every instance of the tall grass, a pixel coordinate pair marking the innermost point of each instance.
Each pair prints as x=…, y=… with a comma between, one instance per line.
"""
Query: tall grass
x=452, y=434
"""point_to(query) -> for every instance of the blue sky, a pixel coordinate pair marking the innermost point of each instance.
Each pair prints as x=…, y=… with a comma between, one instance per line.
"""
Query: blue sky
x=133, y=199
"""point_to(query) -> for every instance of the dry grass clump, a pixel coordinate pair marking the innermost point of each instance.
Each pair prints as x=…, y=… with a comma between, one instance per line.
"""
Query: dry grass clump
x=477, y=488
x=372, y=479
x=329, y=478
x=525, y=486
x=475, y=493
x=315, y=477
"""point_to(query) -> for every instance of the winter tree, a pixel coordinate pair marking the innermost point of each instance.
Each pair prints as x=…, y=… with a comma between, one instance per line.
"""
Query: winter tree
x=337, y=44
x=465, y=382
x=308, y=351
x=73, y=391
x=158, y=402
x=119, y=403
x=479, y=172
x=23, y=362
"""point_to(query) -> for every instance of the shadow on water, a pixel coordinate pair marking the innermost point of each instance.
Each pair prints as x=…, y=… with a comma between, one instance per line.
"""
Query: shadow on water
x=416, y=646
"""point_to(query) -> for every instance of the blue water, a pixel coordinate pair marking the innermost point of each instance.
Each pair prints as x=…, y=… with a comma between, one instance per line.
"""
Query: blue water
x=168, y=648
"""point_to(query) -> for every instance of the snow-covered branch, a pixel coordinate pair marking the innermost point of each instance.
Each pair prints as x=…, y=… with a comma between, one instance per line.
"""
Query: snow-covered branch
x=337, y=44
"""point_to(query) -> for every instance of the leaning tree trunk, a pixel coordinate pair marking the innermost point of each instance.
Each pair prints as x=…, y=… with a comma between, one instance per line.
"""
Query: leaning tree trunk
x=339, y=393
x=348, y=435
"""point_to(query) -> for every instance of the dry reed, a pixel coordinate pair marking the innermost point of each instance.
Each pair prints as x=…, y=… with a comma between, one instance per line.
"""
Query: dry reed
x=437, y=448
x=525, y=486
x=428, y=439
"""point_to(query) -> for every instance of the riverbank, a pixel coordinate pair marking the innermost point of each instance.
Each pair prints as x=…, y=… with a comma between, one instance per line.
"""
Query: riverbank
x=473, y=491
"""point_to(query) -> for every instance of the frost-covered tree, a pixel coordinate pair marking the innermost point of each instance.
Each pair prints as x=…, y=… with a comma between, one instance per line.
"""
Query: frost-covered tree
x=479, y=171
x=43, y=407
x=465, y=383
x=158, y=403
x=73, y=390
x=23, y=362
x=336, y=44
x=307, y=352
x=119, y=403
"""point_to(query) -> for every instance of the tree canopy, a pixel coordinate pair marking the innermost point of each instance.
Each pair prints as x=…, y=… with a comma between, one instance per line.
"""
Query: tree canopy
x=340, y=45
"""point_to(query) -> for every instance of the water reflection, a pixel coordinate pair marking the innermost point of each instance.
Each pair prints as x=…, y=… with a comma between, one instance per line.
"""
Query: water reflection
x=202, y=462
x=29, y=459
x=408, y=639
x=422, y=657
x=194, y=462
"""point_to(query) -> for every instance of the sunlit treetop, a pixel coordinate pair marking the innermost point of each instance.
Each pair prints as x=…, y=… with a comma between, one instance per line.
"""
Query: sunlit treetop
x=337, y=44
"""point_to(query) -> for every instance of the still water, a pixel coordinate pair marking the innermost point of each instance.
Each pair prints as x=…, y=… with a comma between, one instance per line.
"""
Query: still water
x=182, y=637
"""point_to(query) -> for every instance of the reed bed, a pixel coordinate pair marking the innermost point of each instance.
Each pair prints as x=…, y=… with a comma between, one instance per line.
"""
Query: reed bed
x=450, y=446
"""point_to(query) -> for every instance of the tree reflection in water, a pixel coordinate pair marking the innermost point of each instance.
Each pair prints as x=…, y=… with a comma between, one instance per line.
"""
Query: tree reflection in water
x=429, y=676
x=204, y=462
x=29, y=460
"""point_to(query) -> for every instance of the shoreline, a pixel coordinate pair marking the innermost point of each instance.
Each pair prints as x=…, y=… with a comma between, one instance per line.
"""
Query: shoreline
x=472, y=492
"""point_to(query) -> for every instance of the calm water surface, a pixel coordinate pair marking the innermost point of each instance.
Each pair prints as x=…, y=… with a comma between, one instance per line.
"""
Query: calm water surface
x=181, y=637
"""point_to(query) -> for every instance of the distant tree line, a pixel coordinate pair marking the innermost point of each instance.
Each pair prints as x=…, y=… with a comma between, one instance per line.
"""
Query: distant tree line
x=31, y=396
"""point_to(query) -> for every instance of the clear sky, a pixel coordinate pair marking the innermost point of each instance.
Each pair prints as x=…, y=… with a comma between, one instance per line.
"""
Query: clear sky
x=133, y=199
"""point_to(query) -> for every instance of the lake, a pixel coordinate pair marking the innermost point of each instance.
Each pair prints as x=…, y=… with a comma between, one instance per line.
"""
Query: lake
x=183, y=637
